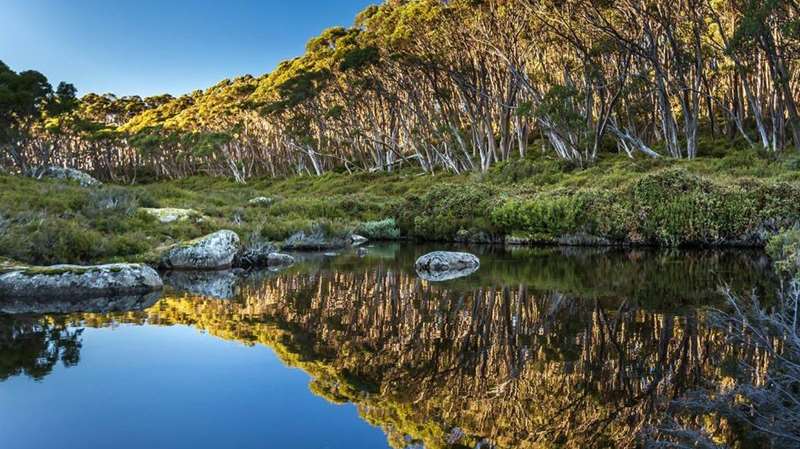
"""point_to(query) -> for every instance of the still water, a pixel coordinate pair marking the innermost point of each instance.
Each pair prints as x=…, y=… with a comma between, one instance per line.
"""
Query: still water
x=539, y=348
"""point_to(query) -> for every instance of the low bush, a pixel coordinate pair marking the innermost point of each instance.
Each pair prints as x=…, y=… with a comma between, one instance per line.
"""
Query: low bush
x=379, y=230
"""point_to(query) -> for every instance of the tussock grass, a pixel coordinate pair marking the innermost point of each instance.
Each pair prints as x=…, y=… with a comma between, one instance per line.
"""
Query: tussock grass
x=741, y=197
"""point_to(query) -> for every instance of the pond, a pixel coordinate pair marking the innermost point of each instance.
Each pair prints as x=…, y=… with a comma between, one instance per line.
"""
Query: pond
x=541, y=347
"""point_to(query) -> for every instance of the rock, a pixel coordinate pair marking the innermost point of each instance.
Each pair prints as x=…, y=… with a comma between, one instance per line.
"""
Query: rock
x=261, y=201
x=261, y=254
x=61, y=281
x=514, y=240
x=358, y=240
x=64, y=174
x=279, y=260
x=362, y=252
x=315, y=241
x=443, y=266
x=255, y=254
x=210, y=284
x=171, y=215
x=581, y=239
x=212, y=252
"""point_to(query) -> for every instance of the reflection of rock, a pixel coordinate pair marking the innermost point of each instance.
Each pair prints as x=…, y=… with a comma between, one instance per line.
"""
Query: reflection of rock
x=64, y=174
x=61, y=281
x=108, y=304
x=212, y=252
x=211, y=284
x=443, y=265
x=171, y=215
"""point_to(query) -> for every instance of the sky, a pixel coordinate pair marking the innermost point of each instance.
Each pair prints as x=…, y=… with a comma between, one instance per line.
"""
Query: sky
x=150, y=47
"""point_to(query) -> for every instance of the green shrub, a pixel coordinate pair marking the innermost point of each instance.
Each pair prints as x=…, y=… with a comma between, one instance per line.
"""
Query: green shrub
x=446, y=209
x=784, y=249
x=379, y=230
x=674, y=207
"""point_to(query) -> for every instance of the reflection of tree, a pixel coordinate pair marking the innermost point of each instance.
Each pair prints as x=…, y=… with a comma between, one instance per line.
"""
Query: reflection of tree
x=516, y=366
x=541, y=350
x=32, y=347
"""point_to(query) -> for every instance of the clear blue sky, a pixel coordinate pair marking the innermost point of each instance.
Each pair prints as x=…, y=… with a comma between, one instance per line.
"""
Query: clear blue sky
x=147, y=47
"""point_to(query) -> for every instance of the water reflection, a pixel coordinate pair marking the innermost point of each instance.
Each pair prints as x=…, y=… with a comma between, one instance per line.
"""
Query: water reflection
x=540, y=348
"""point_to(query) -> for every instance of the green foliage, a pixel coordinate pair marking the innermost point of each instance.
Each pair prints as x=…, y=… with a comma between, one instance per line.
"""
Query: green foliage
x=446, y=209
x=784, y=248
x=379, y=230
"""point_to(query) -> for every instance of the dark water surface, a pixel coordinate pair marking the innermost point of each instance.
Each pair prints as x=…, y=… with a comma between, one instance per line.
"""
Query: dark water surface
x=539, y=348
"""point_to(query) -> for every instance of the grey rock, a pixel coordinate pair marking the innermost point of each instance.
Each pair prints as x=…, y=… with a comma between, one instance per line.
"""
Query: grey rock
x=171, y=214
x=358, y=240
x=213, y=252
x=279, y=260
x=261, y=201
x=315, y=241
x=63, y=281
x=444, y=265
x=209, y=284
x=254, y=255
x=64, y=174
x=362, y=252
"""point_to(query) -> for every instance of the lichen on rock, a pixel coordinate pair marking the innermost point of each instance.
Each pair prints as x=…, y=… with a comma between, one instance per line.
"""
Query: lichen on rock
x=21, y=281
x=213, y=252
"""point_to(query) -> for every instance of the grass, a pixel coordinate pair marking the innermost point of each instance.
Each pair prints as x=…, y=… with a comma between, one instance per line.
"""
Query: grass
x=741, y=197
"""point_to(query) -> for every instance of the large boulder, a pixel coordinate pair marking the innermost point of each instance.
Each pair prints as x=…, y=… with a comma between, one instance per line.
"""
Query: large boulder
x=64, y=174
x=213, y=252
x=314, y=241
x=443, y=265
x=67, y=281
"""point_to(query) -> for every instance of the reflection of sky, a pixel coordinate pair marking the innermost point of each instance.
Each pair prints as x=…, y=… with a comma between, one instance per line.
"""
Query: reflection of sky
x=174, y=387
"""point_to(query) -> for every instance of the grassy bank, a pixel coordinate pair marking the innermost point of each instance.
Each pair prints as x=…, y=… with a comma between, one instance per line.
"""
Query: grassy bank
x=741, y=198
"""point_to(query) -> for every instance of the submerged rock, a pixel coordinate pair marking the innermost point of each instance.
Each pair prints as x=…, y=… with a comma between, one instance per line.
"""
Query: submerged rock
x=213, y=252
x=64, y=174
x=62, y=281
x=171, y=214
x=315, y=241
x=443, y=265
x=210, y=284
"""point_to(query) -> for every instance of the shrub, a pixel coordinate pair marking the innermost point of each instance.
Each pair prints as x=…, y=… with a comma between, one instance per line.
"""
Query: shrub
x=784, y=249
x=446, y=209
x=379, y=230
x=674, y=207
